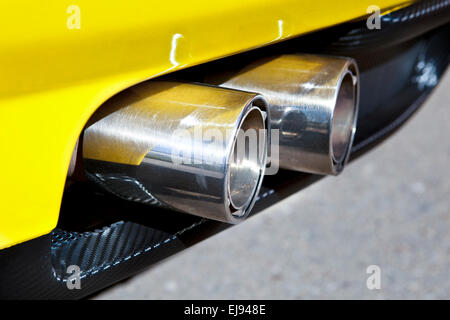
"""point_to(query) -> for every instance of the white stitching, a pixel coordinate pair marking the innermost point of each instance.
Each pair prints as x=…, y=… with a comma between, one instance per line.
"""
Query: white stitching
x=165, y=241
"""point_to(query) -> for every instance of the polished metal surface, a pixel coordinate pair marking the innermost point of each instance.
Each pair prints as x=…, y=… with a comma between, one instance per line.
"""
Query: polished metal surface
x=190, y=147
x=73, y=160
x=313, y=102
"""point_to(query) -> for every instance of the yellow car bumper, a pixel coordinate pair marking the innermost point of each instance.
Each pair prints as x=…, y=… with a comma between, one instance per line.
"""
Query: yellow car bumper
x=59, y=63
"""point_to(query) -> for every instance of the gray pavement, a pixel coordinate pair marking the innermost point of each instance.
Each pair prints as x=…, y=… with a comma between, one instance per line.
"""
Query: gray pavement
x=389, y=208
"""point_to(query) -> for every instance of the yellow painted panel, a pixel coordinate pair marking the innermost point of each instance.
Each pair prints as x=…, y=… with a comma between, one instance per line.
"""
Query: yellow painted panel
x=53, y=75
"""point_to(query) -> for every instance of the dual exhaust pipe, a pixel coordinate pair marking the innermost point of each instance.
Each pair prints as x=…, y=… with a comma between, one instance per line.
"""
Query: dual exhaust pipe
x=313, y=104
x=179, y=145
x=203, y=148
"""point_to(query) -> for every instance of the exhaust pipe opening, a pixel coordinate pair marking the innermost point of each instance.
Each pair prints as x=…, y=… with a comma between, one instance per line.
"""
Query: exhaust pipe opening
x=343, y=125
x=246, y=164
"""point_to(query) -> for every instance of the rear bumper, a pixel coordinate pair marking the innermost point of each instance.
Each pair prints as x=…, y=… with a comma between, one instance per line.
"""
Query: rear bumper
x=54, y=77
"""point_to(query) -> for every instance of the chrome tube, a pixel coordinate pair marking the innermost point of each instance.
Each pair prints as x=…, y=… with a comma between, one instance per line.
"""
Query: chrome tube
x=313, y=102
x=181, y=146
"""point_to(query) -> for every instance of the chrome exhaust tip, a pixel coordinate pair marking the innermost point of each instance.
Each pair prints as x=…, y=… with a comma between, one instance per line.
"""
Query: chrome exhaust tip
x=189, y=147
x=313, y=103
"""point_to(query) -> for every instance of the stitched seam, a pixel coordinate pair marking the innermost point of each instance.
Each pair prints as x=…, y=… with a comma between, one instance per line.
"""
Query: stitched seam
x=165, y=241
x=114, y=263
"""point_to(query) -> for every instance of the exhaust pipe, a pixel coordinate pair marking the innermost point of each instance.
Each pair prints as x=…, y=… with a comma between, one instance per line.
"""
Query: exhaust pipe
x=313, y=102
x=193, y=148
